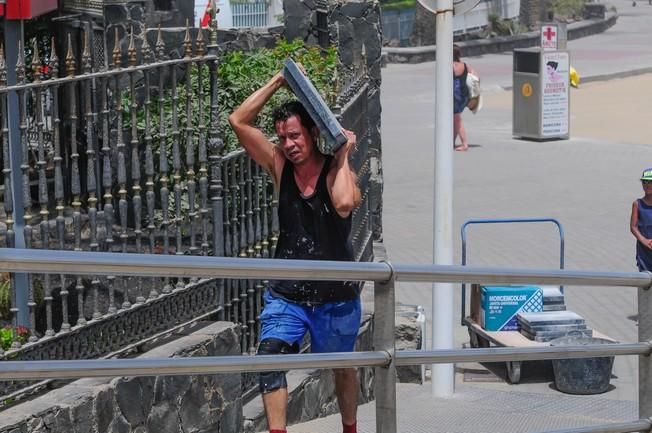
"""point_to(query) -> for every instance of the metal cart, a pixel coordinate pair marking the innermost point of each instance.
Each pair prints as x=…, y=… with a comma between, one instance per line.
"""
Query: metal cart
x=477, y=335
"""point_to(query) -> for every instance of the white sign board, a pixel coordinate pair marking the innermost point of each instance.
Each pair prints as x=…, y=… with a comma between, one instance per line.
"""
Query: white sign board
x=554, y=94
x=549, y=37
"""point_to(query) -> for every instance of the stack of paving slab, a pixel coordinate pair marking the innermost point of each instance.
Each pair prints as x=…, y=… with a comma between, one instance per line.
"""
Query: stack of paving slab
x=553, y=298
x=548, y=325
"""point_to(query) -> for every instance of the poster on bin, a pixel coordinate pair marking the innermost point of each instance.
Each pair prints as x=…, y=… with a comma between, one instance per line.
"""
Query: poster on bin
x=554, y=94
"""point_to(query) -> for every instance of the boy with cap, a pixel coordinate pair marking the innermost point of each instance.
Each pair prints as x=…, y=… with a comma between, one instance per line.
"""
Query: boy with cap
x=641, y=223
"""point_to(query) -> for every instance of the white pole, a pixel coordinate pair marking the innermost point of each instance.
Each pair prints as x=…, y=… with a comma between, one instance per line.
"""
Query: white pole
x=443, y=375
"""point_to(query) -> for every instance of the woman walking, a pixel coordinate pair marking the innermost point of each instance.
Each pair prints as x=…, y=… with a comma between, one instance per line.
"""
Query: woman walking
x=460, y=98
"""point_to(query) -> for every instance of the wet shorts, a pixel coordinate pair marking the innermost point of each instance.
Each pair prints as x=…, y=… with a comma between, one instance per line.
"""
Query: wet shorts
x=333, y=326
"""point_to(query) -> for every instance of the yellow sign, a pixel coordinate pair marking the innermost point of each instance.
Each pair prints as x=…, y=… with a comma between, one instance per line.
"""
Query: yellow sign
x=526, y=90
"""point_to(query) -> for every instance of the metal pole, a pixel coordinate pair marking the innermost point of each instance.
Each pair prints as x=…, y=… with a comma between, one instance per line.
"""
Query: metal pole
x=523, y=353
x=14, y=34
x=38, y=370
x=156, y=265
x=443, y=375
x=385, y=377
x=645, y=361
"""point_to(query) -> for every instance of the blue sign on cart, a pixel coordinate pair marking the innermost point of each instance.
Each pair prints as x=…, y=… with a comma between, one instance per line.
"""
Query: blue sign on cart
x=309, y=96
x=500, y=305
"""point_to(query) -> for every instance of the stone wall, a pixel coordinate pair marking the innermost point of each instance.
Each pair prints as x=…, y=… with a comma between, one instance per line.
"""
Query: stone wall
x=210, y=403
x=424, y=28
x=499, y=44
x=351, y=26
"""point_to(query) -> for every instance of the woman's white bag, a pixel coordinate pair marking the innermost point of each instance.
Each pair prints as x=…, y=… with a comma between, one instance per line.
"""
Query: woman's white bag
x=475, y=98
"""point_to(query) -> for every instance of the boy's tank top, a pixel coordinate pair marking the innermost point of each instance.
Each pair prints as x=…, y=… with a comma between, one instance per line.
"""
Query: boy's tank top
x=643, y=253
x=311, y=229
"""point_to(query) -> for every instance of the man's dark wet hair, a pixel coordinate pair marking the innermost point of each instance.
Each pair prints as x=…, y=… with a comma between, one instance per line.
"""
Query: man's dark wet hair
x=293, y=108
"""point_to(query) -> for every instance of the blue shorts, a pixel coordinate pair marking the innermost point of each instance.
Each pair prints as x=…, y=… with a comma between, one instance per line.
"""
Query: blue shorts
x=333, y=326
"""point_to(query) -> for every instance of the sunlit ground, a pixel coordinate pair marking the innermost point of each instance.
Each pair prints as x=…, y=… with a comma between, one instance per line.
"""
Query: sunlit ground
x=616, y=110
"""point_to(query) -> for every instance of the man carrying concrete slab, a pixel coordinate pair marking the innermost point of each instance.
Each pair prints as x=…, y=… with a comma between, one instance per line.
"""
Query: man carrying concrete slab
x=317, y=194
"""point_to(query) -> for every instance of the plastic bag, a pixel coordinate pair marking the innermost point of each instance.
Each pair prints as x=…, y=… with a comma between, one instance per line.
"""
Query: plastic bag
x=475, y=96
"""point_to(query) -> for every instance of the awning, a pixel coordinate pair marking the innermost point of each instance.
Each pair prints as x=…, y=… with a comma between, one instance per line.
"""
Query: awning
x=26, y=9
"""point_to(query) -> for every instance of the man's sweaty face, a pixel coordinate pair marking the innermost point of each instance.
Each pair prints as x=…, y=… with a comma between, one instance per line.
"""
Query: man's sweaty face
x=294, y=139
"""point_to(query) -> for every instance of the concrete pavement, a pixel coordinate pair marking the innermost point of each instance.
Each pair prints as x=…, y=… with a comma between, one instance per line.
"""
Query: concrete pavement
x=587, y=183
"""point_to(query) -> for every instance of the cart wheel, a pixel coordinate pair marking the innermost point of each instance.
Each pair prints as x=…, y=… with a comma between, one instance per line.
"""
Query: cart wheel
x=483, y=342
x=513, y=371
x=473, y=339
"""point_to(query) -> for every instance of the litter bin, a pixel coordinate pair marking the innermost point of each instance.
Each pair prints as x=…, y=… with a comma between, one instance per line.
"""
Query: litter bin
x=541, y=96
x=583, y=375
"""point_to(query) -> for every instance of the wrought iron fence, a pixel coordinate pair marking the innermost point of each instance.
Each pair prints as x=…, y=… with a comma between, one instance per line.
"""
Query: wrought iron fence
x=129, y=159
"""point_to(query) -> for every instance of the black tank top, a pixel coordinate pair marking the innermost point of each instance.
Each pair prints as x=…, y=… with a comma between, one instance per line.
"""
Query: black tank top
x=311, y=229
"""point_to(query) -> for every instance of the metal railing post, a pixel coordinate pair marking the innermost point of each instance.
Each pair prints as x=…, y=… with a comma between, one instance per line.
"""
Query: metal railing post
x=14, y=35
x=385, y=377
x=645, y=361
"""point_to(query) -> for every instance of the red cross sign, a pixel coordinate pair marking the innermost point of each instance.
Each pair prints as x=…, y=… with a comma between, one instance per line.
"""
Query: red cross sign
x=549, y=37
x=549, y=33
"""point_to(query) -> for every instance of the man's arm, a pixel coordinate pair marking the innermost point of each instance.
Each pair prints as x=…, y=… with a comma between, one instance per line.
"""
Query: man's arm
x=342, y=181
x=259, y=148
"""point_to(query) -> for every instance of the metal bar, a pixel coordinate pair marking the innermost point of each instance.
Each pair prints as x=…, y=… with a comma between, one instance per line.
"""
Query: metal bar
x=496, y=354
x=645, y=362
x=122, y=167
x=91, y=177
x=107, y=183
x=506, y=221
x=625, y=427
x=20, y=284
x=37, y=370
x=385, y=377
x=486, y=275
x=163, y=157
x=92, y=263
x=102, y=74
x=443, y=376
x=191, y=184
x=136, y=188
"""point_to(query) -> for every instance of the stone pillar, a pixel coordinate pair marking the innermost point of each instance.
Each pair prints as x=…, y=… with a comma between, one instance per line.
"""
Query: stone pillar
x=534, y=12
x=169, y=13
x=351, y=26
x=123, y=16
x=423, y=32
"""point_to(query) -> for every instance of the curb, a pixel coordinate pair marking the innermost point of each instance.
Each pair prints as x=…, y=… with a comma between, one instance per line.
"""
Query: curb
x=604, y=77
x=498, y=44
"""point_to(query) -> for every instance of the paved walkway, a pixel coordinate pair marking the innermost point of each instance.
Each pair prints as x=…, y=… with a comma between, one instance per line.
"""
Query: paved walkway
x=587, y=182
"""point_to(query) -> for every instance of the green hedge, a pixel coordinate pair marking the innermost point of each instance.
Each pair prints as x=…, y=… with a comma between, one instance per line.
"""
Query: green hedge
x=239, y=74
x=388, y=5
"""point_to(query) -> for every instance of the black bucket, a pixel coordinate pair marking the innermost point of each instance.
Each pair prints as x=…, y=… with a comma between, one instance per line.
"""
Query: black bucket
x=583, y=375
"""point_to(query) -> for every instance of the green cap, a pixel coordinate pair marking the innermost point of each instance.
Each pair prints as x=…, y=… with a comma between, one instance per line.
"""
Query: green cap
x=647, y=174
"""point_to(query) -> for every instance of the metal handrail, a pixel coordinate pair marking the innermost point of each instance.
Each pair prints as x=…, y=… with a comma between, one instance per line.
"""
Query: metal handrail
x=384, y=358
x=73, y=369
x=37, y=370
x=149, y=265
